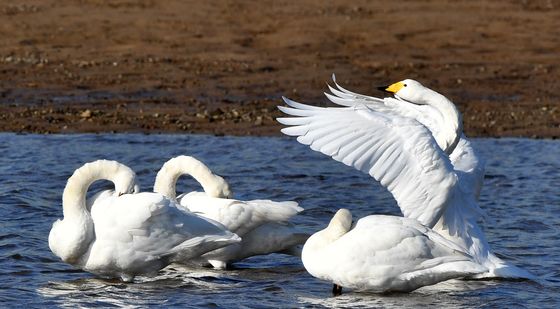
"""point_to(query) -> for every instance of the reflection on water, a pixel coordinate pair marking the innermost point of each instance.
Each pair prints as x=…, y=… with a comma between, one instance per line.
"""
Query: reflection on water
x=520, y=196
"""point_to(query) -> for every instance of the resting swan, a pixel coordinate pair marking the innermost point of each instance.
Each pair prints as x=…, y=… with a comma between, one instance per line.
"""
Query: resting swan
x=413, y=145
x=383, y=254
x=261, y=223
x=124, y=235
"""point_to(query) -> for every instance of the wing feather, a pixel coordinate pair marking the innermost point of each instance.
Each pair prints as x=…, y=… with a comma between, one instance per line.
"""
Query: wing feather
x=339, y=93
x=395, y=142
x=339, y=100
x=399, y=152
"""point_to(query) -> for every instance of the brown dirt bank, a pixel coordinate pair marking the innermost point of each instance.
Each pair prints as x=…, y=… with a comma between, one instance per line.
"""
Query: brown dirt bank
x=221, y=66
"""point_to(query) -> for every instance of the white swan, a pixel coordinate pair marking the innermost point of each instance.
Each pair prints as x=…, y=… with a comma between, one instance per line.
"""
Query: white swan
x=261, y=223
x=413, y=145
x=124, y=235
x=384, y=254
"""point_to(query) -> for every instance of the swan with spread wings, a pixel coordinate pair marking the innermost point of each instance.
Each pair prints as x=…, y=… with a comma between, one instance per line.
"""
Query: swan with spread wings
x=413, y=145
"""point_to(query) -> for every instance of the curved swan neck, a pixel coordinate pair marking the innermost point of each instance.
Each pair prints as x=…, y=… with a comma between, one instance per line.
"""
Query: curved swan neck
x=451, y=120
x=74, y=195
x=166, y=179
x=340, y=223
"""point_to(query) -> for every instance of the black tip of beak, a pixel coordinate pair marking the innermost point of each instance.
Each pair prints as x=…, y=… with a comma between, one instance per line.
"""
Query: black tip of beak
x=383, y=88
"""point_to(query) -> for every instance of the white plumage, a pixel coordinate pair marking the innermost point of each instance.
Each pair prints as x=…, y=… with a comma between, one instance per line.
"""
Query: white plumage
x=384, y=254
x=413, y=145
x=261, y=223
x=124, y=235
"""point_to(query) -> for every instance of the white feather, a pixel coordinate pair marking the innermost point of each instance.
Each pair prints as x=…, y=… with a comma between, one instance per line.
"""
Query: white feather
x=123, y=235
x=403, y=146
x=261, y=223
x=384, y=254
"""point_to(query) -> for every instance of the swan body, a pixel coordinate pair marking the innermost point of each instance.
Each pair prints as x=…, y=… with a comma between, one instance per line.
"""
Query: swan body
x=413, y=145
x=124, y=235
x=384, y=254
x=261, y=223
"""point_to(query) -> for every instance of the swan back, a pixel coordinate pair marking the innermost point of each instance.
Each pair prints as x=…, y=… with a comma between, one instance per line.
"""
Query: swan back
x=238, y=216
x=166, y=179
x=135, y=228
x=388, y=253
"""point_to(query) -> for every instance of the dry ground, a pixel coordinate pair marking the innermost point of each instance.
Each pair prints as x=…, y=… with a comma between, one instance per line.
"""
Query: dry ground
x=221, y=66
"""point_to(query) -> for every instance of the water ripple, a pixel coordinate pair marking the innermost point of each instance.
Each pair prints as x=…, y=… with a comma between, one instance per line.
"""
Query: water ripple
x=520, y=197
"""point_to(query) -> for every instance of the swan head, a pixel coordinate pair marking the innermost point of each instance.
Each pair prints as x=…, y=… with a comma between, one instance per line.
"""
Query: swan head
x=219, y=188
x=449, y=120
x=126, y=183
x=407, y=90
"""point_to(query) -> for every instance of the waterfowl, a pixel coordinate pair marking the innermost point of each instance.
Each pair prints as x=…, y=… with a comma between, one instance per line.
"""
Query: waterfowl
x=123, y=234
x=413, y=145
x=263, y=224
x=383, y=254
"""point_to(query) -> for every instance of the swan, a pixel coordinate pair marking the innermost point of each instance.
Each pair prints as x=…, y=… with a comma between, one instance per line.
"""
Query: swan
x=383, y=254
x=414, y=146
x=261, y=223
x=124, y=235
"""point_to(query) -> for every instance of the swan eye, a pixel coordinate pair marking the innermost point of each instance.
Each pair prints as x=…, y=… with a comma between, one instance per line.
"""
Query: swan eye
x=404, y=85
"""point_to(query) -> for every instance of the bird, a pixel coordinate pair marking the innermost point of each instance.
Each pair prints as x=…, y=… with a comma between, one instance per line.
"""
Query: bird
x=122, y=233
x=413, y=145
x=382, y=253
x=262, y=224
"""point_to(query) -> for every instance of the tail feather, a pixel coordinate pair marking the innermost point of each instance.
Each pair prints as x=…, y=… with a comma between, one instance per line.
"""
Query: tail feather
x=276, y=211
x=499, y=268
x=444, y=271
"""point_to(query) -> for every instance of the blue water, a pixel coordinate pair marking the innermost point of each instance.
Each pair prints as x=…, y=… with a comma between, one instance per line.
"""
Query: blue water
x=521, y=196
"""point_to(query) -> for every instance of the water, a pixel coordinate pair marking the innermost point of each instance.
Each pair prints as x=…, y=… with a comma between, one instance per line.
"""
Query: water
x=520, y=195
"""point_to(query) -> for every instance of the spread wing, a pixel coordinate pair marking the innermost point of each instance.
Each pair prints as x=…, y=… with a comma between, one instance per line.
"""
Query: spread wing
x=462, y=211
x=467, y=163
x=425, y=114
x=399, y=152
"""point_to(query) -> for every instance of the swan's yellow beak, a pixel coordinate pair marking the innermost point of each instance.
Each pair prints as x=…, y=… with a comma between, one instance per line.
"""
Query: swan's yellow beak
x=394, y=88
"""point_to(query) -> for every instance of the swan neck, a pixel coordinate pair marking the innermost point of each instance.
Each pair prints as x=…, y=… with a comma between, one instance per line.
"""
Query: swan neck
x=74, y=195
x=451, y=121
x=339, y=225
x=324, y=238
x=166, y=179
x=335, y=232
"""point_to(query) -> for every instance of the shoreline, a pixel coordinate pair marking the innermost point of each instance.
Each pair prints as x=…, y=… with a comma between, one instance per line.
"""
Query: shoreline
x=255, y=119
